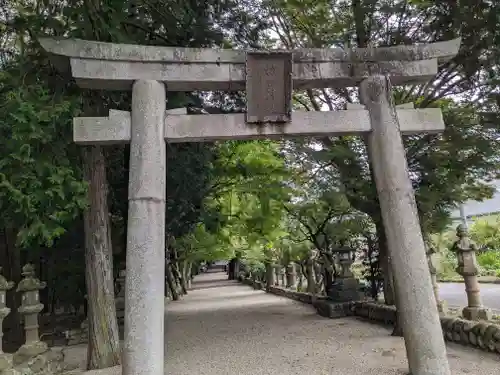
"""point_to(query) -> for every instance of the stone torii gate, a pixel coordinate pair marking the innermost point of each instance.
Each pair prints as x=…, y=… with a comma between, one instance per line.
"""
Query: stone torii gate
x=268, y=78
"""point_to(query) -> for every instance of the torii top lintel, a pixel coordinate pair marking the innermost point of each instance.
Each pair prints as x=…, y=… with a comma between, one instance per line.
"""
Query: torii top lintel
x=112, y=66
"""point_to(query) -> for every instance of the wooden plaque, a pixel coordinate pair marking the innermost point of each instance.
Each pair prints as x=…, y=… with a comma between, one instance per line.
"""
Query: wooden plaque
x=269, y=87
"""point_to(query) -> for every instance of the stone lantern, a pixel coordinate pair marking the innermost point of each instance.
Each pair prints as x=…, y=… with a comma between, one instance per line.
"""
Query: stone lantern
x=5, y=359
x=30, y=307
x=346, y=258
x=467, y=267
x=346, y=288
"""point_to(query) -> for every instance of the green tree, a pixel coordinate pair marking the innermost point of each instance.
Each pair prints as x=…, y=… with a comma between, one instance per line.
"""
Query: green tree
x=199, y=24
x=466, y=154
x=41, y=188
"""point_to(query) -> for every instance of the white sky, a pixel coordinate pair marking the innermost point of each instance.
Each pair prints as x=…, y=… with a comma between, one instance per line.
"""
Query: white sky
x=473, y=208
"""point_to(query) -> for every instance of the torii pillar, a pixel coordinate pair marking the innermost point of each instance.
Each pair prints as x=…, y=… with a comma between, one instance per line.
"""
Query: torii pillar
x=145, y=279
x=425, y=349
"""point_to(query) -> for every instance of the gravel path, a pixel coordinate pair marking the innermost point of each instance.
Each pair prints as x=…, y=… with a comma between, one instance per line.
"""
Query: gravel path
x=224, y=328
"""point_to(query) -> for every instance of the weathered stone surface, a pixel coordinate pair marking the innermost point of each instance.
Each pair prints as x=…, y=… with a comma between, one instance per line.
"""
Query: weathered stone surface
x=114, y=129
x=334, y=310
x=28, y=351
x=268, y=87
x=191, y=128
x=143, y=351
x=419, y=315
x=482, y=335
x=298, y=296
x=51, y=362
x=345, y=290
x=30, y=307
x=129, y=52
x=119, y=75
x=116, y=66
x=6, y=361
x=477, y=313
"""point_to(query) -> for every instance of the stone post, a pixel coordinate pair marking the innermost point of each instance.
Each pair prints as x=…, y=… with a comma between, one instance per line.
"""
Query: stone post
x=270, y=279
x=30, y=307
x=277, y=274
x=425, y=346
x=143, y=351
x=467, y=267
x=282, y=276
x=291, y=276
x=441, y=305
x=311, y=280
x=5, y=359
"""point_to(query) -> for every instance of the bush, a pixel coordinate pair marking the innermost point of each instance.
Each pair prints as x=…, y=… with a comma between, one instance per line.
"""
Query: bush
x=448, y=265
x=486, y=234
x=489, y=263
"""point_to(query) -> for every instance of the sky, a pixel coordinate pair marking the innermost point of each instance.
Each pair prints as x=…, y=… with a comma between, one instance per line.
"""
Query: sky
x=473, y=208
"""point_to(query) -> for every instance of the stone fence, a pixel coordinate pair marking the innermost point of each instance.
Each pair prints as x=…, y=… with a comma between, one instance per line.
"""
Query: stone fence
x=483, y=335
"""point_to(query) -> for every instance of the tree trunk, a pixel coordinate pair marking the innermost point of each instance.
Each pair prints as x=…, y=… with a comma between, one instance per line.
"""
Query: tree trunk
x=178, y=272
x=179, y=278
x=11, y=260
x=104, y=344
x=390, y=293
x=171, y=282
x=186, y=274
x=385, y=266
x=327, y=281
x=189, y=276
x=398, y=326
x=233, y=269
